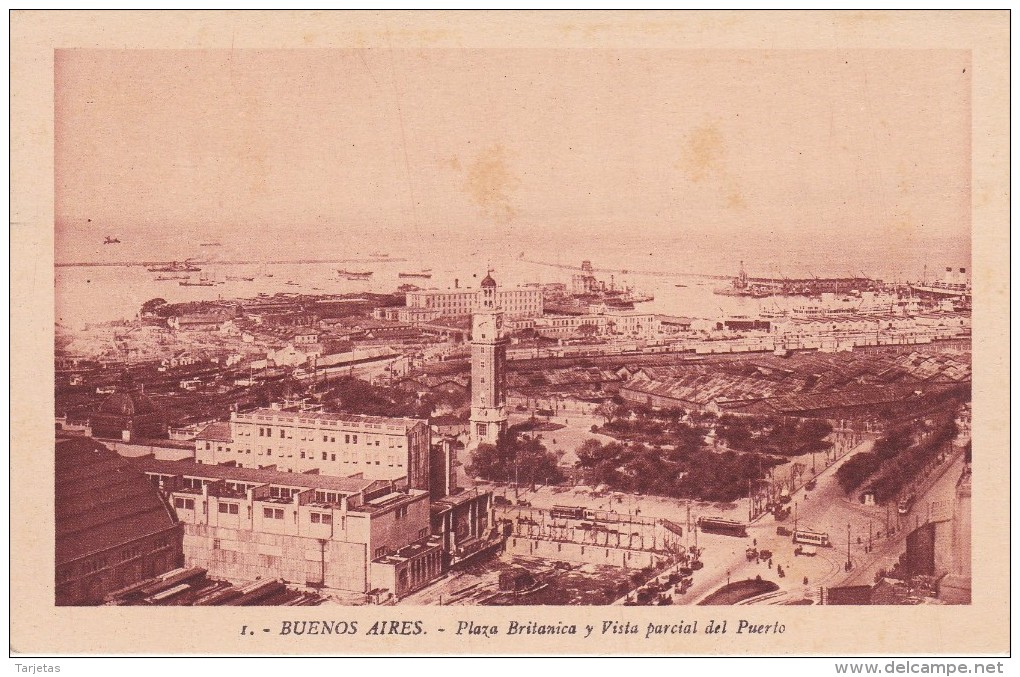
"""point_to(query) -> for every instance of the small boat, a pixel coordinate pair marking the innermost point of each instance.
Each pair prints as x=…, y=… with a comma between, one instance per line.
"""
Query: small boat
x=240, y=278
x=679, y=285
x=292, y=283
x=379, y=255
x=425, y=275
x=163, y=278
x=199, y=283
x=210, y=244
x=354, y=275
x=408, y=287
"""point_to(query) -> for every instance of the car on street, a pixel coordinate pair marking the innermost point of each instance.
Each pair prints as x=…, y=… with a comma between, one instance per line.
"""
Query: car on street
x=806, y=550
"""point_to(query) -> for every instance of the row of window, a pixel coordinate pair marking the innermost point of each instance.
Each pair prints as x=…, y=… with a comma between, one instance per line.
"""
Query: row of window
x=348, y=438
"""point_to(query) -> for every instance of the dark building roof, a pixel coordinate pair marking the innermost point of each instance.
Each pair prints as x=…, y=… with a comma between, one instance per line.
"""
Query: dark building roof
x=216, y=432
x=487, y=281
x=129, y=403
x=101, y=501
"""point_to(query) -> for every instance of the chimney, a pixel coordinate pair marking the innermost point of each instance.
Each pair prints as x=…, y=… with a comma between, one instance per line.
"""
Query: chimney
x=456, y=283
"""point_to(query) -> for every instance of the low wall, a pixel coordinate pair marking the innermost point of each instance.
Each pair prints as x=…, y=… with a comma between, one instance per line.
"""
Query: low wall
x=575, y=552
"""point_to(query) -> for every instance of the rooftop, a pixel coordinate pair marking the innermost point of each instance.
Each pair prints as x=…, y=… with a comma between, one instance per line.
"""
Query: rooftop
x=189, y=468
x=216, y=432
x=318, y=417
x=101, y=501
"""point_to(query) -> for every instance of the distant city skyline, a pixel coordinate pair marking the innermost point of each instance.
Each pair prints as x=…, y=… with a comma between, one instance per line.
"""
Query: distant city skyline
x=346, y=149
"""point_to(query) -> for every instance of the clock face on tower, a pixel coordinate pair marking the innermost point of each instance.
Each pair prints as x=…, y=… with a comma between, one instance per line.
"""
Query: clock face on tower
x=484, y=329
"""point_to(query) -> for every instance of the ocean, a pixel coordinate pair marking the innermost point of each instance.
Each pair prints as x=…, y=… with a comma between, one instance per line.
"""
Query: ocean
x=115, y=291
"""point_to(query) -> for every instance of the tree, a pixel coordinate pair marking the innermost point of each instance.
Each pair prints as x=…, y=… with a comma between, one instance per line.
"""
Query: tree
x=515, y=458
x=152, y=305
x=608, y=411
x=587, y=330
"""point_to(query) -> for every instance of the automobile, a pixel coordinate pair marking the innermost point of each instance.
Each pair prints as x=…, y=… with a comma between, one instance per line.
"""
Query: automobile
x=810, y=485
x=501, y=500
x=806, y=550
x=764, y=554
x=783, y=531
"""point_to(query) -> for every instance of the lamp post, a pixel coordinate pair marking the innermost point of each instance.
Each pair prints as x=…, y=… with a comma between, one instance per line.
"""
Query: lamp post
x=849, y=564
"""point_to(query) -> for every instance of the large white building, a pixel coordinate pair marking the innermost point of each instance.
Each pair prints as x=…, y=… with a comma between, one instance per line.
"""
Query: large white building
x=488, y=368
x=514, y=301
x=338, y=445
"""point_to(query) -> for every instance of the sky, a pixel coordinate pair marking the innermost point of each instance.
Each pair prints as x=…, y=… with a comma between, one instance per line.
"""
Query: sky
x=278, y=152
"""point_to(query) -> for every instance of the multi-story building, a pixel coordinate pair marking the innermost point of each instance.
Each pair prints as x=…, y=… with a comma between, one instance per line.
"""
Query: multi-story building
x=630, y=324
x=352, y=534
x=338, y=445
x=514, y=301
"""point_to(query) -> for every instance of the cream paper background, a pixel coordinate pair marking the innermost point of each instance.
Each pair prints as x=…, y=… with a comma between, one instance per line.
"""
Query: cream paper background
x=37, y=627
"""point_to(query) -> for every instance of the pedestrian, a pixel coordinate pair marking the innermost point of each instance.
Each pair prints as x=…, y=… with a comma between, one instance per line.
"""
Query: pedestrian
x=770, y=562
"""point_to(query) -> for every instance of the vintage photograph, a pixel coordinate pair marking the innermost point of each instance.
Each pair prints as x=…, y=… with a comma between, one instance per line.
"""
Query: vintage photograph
x=512, y=327
x=521, y=333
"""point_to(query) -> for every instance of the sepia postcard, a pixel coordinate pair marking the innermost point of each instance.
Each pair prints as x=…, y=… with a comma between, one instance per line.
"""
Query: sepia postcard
x=664, y=333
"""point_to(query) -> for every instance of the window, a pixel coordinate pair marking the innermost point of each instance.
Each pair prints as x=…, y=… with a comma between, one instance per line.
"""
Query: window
x=302, y=454
x=327, y=518
x=184, y=503
x=332, y=439
x=380, y=552
x=269, y=452
x=332, y=457
x=267, y=512
x=281, y=433
x=278, y=514
x=208, y=446
x=215, y=544
x=347, y=439
x=224, y=509
x=355, y=439
x=324, y=456
x=325, y=438
x=316, y=518
x=262, y=432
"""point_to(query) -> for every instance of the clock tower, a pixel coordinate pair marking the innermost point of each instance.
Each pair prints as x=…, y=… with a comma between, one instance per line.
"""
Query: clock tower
x=488, y=369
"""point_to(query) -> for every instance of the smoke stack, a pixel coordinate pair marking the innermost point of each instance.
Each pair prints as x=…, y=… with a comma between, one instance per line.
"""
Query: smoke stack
x=456, y=283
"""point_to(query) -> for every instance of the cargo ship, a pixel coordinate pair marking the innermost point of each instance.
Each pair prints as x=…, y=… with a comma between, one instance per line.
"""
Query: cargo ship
x=354, y=275
x=424, y=274
x=953, y=285
x=175, y=267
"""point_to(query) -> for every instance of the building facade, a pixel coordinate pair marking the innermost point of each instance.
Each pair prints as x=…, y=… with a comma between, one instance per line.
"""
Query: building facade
x=514, y=301
x=337, y=445
x=488, y=369
x=341, y=533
